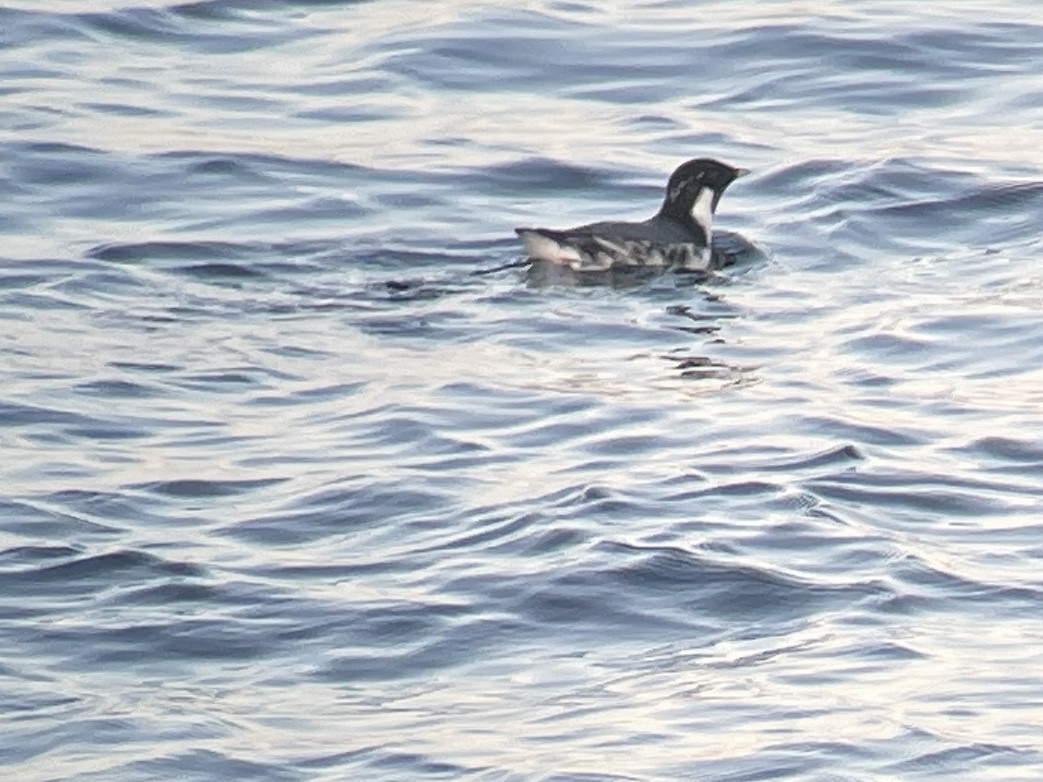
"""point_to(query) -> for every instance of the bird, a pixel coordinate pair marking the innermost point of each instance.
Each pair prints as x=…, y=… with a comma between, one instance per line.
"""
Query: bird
x=679, y=235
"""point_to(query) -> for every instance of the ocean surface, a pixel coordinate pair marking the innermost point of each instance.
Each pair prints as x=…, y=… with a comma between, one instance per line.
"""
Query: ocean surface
x=301, y=479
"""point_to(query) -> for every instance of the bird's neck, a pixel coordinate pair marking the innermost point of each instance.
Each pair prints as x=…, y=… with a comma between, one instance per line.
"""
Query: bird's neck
x=698, y=218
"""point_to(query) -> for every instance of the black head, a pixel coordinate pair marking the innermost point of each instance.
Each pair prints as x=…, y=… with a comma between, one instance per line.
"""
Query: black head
x=688, y=181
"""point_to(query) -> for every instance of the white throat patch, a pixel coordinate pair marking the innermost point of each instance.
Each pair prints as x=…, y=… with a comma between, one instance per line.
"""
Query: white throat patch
x=702, y=211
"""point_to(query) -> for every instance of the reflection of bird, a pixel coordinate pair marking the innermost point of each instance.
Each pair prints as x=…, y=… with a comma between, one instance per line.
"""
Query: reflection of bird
x=678, y=235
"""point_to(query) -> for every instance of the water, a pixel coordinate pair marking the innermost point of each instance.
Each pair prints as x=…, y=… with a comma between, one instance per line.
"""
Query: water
x=290, y=493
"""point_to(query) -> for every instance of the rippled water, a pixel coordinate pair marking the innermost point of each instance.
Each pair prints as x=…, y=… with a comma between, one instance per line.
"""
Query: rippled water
x=300, y=484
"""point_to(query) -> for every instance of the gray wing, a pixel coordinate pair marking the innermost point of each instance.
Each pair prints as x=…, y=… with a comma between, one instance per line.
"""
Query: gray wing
x=655, y=230
x=655, y=242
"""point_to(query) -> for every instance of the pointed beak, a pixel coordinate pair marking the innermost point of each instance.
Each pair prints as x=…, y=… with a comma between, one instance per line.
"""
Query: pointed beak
x=741, y=172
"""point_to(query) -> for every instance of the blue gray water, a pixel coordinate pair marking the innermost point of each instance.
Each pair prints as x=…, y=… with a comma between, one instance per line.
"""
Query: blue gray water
x=290, y=493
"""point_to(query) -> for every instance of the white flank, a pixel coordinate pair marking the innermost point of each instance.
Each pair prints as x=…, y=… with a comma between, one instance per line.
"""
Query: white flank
x=544, y=248
x=702, y=211
x=689, y=257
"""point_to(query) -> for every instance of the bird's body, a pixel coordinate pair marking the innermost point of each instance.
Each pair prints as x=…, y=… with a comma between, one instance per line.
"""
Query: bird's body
x=679, y=235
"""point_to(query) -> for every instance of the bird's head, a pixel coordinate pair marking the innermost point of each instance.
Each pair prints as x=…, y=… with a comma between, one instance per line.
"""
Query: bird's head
x=695, y=188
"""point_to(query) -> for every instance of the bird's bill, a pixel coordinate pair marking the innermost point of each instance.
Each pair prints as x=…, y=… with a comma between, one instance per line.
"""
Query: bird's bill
x=741, y=172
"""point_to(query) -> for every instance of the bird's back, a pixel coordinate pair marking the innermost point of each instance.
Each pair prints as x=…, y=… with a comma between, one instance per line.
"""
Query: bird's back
x=658, y=241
